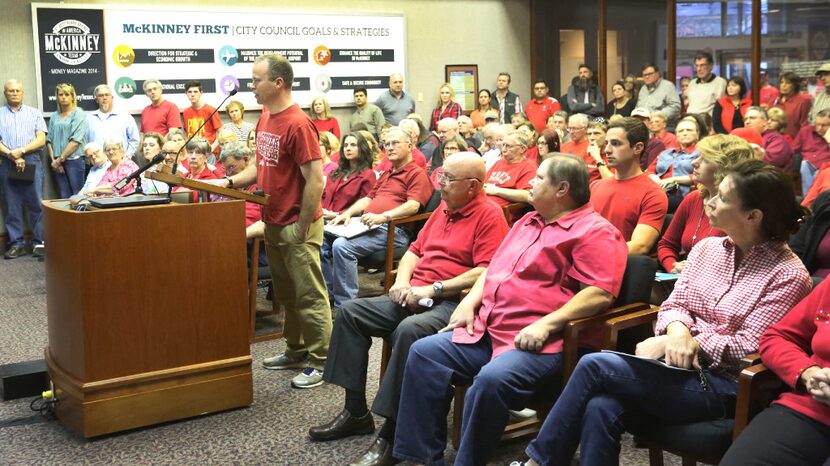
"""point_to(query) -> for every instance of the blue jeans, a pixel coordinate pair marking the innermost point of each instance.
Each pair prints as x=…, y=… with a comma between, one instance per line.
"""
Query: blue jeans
x=808, y=176
x=72, y=179
x=502, y=383
x=16, y=195
x=603, y=387
x=338, y=257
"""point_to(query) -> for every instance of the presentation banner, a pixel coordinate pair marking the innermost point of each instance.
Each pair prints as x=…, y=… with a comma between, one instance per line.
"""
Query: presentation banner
x=331, y=54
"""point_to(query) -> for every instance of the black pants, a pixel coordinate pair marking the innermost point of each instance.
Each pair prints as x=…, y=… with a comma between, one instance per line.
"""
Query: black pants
x=780, y=436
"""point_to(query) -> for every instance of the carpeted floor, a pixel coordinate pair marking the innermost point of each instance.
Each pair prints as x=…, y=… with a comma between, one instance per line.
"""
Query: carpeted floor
x=271, y=431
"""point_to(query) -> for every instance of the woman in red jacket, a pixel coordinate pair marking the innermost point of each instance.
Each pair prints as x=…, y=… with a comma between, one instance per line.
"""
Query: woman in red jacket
x=730, y=109
x=795, y=429
x=352, y=179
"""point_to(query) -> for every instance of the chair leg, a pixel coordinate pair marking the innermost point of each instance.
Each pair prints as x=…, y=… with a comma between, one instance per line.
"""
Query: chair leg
x=655, y=456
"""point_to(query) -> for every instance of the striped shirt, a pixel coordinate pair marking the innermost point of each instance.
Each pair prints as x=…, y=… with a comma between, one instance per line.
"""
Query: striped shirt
x=727, y=309
x=18, y=128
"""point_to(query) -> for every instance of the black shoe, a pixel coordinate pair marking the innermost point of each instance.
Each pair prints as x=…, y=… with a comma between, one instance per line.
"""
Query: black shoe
x=379, y=454
x=15, y=252
x=344, y=425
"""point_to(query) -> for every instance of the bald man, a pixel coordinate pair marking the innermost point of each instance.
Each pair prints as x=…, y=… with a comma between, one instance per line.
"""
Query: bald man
x=395, y=103
x=436, y=268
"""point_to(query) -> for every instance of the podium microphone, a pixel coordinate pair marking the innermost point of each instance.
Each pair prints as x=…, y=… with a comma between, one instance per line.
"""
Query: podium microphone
x=134, y=175
x=176, y=162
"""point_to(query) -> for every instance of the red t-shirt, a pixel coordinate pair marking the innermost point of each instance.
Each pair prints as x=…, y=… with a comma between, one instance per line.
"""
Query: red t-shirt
x=341, y=193
x=284, y=142
x=688, y=226
x=538, y=112
x=331, y=125
x=442, y=256
x=511, y=176
x=394, y=187
x=552, y=260
x=581, y=150
x=193, y=118
x=628, y=203
x=160, y=119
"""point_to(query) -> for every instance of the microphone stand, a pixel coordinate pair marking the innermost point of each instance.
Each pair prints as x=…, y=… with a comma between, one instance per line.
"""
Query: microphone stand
x=137, y=174
x=178, y=153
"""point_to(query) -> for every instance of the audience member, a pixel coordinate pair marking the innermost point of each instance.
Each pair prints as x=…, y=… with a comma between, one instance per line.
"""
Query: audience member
x=655, y=146
x=621, y=104
x=518, y=119
x=105, y=122
x=448, y=147
x=672, y=169
x=541, y=106
x=466, y=130
x=98, y=164
x=795, y=104
x=436, y=267
x=120, y=167
x=65, y=141
x=730, y=109
x=561, y=262
x=778, y=123
x=706, y=88
x=504, y=101
x=598, y=166
x=547, y=144
x=584, y=95
x=395, y=103
x=366, y=113
x=690, y=225
x=482, y=106
x=768, y=92
x=812, y=244
x=235, y=157
x=508, y=180
x=22, y=136
x=149, y=146
x=659, y=95
x=197, y=116
x=777, y=151
x=795, y=429
x=812, y=143
x=822, y=101
x=577, y=143
x=252, y=141
x=161, y=114
x=447, y=129
x=684, y=94
x=559, y=123
x=630, y=200
x=446, y=107
x=329, y=146
x=427, y=140
x=322, y=117
x=498, y=133
x=657, y=124
x=351, y=180
x=418, y=157
x=399, y=192
x=730, y=292
x=530, y=133
x=241, y=128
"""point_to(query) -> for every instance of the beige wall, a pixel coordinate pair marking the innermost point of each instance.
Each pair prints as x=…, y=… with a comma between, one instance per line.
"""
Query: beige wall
x=438, y=33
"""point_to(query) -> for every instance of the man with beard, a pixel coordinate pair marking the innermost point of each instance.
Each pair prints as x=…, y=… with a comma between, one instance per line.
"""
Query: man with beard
x=584, y=95
x=106, y=123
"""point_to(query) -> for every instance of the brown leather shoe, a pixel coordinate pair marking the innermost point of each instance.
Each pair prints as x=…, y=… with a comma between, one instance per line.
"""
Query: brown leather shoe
x=344, y=425
x=379, y=454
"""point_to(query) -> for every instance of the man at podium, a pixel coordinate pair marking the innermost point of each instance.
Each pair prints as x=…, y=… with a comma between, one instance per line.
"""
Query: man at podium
x=289, y=168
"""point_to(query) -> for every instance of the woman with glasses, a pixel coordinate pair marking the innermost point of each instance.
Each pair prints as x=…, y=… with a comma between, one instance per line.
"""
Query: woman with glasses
x=98, y=166
x=65, y=141
x=450, y=146
x=120, y=167
x=508, y=180
x=546, y=145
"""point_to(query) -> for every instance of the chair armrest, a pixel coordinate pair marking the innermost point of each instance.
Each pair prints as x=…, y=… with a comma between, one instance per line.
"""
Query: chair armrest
x=411, y=219
x=389, y=265
x=570, y=334
x=512, y=207
x=633, y=319
x=750, y=359
x=757, y=387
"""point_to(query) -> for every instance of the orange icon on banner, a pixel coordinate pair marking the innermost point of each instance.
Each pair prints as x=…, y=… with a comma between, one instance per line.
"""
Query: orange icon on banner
x=322, y=55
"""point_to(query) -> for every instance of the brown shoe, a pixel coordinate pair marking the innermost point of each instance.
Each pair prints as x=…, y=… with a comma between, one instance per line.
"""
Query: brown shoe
x=344, y=425
x=379, y=454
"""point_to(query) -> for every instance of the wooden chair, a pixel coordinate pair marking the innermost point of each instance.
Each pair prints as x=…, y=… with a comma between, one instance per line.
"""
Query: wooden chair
x=705, y=441
x=515, y=209
x=634, y=297
x=257, y=274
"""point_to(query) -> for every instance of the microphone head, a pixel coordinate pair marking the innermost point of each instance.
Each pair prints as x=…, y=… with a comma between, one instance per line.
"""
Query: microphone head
x=234, y=91
x=158, y=158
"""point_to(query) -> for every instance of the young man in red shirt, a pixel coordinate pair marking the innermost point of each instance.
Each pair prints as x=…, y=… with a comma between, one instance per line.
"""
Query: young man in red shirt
x=289, y=168
x=451, y=252
x=541, y=106
x=198, y=113
x=630, y=200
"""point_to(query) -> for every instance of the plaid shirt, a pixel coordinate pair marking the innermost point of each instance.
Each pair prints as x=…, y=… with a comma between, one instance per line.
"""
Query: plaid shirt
x=727, y=308
x=453, y=110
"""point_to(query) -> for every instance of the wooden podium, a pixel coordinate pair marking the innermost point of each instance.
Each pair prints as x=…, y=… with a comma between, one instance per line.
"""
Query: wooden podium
x=147, y=313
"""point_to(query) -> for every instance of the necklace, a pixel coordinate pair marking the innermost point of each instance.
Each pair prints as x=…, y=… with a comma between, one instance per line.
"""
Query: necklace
x=697, y=228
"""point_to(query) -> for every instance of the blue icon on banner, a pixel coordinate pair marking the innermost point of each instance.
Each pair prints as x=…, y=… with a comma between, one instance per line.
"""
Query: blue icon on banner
x=228, y=55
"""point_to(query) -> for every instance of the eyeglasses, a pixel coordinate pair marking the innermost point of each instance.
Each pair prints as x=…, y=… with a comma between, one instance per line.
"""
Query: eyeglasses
x=391, y=144
x=541, y=143
x=645, y=75
x=446, y=179
x=168, y=152
x=575, y=128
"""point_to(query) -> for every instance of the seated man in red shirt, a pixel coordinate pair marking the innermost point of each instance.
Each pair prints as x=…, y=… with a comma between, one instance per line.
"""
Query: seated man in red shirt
x=451, y=252
x=411, y=127
x=508, y=180
x=630, y=200
x=399, y=192
x=561, y=262
x=578, y=143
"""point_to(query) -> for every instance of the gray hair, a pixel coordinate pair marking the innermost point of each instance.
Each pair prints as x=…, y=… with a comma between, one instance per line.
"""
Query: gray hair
x=114, y=142
x=237, y=150
x=98, y=89
x=93, y=146
x=149, y=82
x=761, y=111
x=580, y=118
x=566, y=167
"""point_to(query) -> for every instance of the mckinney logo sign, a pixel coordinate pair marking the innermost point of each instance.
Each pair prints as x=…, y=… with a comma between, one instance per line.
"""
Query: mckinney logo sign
x=71, y=43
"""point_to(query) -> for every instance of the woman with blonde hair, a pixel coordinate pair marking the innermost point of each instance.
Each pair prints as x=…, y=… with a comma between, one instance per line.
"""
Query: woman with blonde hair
x=446, y=106
x=236, y=110
x=329, y=147
x=320, y=113
x=65, y=141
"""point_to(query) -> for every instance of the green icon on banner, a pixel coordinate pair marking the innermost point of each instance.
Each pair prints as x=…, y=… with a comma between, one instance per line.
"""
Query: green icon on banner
x=125, y=87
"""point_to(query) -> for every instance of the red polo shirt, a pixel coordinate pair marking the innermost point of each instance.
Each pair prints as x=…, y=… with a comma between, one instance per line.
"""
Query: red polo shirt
x=511, y=176
x=394, y=187
x=631, y=202
x=552, y=260
x=538, y=112
x=442, y=255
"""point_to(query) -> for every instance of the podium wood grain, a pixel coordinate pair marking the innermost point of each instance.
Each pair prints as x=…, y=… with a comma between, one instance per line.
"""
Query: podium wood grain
x=147, y=313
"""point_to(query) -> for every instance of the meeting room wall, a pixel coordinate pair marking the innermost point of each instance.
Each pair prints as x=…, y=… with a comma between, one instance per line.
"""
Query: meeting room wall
x=493, y=34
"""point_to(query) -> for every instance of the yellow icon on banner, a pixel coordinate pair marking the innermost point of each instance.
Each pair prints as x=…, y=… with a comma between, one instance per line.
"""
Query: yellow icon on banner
x=124, y=56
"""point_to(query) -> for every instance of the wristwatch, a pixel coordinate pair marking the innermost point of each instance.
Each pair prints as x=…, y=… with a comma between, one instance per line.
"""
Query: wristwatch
x=438, y=287
x=600, y=163
x=230, y=181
